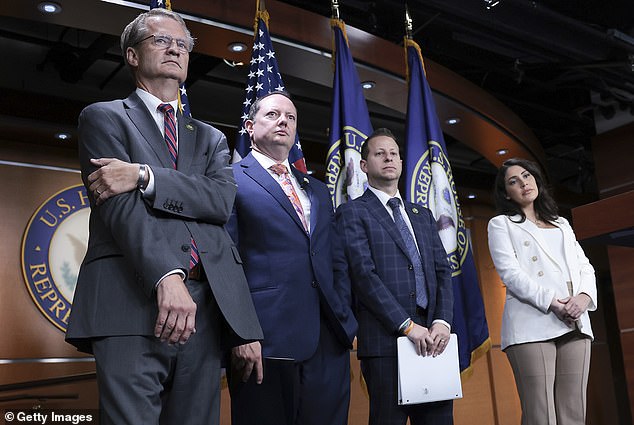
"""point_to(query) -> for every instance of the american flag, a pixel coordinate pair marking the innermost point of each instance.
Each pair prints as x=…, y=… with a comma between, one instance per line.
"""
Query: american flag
x=183, y=101
x=264, y=77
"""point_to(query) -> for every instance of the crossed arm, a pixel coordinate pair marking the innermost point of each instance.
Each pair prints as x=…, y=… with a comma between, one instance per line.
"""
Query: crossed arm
x=176, y=319
x=108, y=170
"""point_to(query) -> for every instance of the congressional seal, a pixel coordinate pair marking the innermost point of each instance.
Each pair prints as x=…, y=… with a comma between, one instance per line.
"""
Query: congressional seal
x=54, y=244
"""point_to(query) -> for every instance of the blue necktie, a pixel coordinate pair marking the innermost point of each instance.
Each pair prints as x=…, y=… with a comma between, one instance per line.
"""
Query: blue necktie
x=412, y=251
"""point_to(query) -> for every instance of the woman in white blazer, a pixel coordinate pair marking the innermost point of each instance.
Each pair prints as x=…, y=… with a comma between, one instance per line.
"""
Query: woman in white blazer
x=550, y=287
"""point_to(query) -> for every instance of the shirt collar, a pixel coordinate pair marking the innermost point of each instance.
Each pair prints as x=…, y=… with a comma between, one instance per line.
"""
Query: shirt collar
x=266, y=162
x=152, y=102
x=384, y=197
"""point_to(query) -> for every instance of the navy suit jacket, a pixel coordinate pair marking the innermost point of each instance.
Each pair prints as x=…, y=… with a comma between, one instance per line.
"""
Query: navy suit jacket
x=290, y=273
x=134, y=241
x=382, y=276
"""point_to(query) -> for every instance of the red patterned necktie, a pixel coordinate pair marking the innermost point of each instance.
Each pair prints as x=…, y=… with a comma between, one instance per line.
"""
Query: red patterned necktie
x=285, y=181
x=172, y=147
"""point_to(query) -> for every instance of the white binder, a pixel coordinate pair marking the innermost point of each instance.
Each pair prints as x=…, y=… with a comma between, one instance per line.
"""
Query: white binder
x=427, y=379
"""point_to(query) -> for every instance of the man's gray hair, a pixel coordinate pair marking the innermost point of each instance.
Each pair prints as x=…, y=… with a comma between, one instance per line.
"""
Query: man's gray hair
x=137, y=30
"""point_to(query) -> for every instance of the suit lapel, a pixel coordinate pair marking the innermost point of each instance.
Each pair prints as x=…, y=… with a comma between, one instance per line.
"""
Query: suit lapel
x=145, y=124
x=377, y=209
x=420, y=231
x=314, y=202
x=534, y=231
x=186, y=142
x=255, y=171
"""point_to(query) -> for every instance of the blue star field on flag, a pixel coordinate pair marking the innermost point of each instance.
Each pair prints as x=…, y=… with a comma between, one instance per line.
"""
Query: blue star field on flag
x=264, y=77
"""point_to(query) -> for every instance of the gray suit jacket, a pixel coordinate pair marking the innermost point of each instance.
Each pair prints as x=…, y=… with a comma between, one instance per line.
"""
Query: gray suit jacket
x=134, y=241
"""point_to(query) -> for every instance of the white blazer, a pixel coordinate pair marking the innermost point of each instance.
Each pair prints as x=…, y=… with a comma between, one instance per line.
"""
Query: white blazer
x=532, y=278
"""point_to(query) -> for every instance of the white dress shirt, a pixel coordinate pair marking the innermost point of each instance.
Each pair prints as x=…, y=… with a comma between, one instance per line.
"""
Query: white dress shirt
x=266, y=162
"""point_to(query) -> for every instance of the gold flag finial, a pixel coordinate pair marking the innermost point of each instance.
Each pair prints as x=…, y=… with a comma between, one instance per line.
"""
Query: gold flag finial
x=408, y=23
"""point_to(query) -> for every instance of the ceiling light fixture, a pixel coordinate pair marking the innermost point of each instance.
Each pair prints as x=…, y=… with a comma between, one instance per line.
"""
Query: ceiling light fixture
x=452, y=121
x=490, y=4
x=62, y=136
x=49, y=7
x=368, y=85
x=233, y=64
x=502, y=152
x=237, y=47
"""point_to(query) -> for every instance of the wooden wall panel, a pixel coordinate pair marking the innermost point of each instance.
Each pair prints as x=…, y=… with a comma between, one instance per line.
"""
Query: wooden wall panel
x=601, y=408
x=627, y=344
x=478, y=397
x=16, y=373
x=507, y=403
x=26, y=334
x=613, y=152
x=81, y=395
x=622, y=268
x=359, y=402
x=27, y=331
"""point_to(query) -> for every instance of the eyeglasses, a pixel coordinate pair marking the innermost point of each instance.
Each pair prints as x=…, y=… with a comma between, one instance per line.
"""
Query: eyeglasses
x=165, y=41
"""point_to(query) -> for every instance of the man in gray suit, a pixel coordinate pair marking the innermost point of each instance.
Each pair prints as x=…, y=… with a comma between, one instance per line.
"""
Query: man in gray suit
x=161, y=280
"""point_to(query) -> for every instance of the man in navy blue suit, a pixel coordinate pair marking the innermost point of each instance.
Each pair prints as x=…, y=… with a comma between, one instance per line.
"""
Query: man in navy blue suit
x=401, y=282
x=283, y=225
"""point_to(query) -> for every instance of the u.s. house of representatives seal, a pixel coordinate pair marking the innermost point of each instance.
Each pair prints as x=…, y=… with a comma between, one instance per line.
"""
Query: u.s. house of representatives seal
x=433, y=186
x=344, y=177
x=53, y=247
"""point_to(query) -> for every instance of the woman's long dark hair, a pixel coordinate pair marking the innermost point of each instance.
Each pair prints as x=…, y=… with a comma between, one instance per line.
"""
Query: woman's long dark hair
x=545, y=206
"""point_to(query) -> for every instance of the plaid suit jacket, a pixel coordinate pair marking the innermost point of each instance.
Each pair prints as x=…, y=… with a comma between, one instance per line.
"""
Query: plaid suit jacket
x=383, y=283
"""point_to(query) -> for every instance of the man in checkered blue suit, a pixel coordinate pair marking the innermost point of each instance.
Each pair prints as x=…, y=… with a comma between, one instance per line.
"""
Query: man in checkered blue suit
x=401, y=282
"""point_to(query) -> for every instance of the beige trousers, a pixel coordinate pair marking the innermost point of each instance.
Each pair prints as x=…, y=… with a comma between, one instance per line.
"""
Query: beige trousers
x=551, y=379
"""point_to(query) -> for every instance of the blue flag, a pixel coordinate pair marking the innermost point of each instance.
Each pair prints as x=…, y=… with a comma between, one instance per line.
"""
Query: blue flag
x=350, y=125
x=183, y=101
x=429, y=182
x=264, y=77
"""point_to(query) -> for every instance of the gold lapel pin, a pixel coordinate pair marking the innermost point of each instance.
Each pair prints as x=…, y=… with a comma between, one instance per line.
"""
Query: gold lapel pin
x=415, y=210
x=189, y=127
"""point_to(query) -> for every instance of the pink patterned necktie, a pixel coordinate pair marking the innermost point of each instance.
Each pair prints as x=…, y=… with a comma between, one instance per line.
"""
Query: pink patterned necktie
x=172, y=147
x=285, y=181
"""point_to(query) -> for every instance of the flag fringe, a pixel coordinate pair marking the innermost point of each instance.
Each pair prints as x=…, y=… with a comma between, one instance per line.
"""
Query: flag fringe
x=475, y=355
x=260, y=13
x=408, y=42
x=337, y=23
